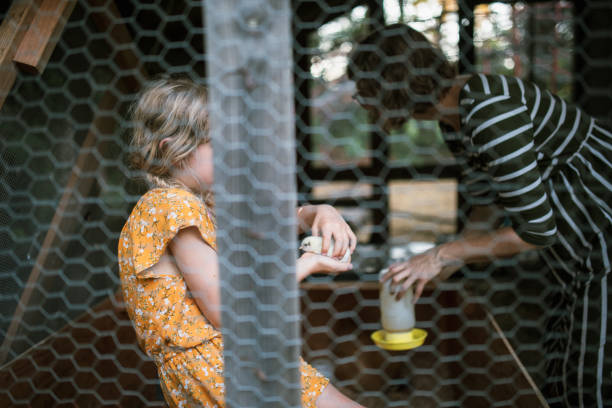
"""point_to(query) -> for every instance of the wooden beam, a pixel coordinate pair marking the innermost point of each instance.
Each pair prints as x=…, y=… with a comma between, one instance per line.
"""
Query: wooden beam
x=58, y=222
x=367, y=174
x=42, y=36
x=12, y=30
x=519, y=363
x=249, y=48
x=101, y=125
x=77, y=354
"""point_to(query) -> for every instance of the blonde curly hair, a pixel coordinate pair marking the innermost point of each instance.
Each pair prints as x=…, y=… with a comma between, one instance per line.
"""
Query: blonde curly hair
x=398, y=72
x=170, y=120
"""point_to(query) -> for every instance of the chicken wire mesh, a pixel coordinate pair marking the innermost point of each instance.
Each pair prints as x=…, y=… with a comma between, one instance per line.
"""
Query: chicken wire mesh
x=67, y=190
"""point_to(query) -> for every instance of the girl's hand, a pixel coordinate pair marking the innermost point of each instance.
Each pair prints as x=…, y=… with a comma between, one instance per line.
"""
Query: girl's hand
x=329, y=224
x=310, y=263
x=419, y=269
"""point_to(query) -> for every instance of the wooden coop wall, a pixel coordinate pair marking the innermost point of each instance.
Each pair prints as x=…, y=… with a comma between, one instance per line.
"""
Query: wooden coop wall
x=80, y=346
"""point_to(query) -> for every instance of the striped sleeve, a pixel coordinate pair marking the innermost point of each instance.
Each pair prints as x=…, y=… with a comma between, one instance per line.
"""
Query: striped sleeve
x=502, y=136
x=477, y=185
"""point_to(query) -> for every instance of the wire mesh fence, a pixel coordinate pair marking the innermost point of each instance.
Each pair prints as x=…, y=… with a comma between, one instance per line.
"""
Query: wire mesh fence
x=67, y=188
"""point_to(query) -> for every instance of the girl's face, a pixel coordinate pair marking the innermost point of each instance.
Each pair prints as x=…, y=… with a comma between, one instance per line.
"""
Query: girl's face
x=202, y=164
x=198, y=172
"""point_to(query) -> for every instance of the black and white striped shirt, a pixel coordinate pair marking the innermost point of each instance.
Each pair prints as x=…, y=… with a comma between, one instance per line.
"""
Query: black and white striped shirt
x=517, y=134
x=548, y=164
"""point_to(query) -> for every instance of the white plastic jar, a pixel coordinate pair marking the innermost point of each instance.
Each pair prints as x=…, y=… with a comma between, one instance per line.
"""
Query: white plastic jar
x=396, y=315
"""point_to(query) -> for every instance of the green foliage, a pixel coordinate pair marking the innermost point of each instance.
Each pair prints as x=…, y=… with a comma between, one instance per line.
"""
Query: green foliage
x=418, y=143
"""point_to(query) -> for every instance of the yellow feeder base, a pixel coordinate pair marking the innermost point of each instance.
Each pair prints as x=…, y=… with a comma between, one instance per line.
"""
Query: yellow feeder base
x=399, y=340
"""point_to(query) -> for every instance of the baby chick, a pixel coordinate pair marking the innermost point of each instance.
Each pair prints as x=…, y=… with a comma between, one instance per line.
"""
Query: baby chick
x=315, y=244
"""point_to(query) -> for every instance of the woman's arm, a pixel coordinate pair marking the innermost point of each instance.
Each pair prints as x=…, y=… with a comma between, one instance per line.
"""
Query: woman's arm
x=483, y=218
x=501, y=133
x=483, y=247
x=502, y=137
x=442, y=261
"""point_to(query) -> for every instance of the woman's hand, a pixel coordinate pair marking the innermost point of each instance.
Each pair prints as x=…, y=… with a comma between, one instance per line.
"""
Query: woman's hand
x=442, y=261
x=326, y=221
x=420, y=269
x=309, y=263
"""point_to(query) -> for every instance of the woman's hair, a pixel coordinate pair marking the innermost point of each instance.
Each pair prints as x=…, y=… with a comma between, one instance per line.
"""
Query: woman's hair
x=398, y=72
x=173, y=109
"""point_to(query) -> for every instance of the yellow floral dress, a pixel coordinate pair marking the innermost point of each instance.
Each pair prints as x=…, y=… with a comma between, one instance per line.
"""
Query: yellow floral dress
x=186, y=348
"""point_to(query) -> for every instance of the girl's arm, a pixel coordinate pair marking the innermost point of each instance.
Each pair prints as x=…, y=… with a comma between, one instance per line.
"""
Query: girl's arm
x=309, y=263
x=442, y=261
x=326, y=221
x=199, y=266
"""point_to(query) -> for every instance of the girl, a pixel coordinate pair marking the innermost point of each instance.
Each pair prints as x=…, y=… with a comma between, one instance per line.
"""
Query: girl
x=543, y=161
x=167, y=259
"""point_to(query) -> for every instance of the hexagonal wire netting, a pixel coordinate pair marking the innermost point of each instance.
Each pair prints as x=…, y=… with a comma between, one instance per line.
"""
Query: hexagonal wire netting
x=67, y=190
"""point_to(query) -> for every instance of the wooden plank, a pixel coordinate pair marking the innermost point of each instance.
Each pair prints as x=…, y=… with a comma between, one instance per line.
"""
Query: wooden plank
x=251, y=117
x=335, y=285
x=107, y=103
x=519, y=363
x=100, y=125
x=45, y=30
x=12, y=30
x=369, y=173
x=100, y=344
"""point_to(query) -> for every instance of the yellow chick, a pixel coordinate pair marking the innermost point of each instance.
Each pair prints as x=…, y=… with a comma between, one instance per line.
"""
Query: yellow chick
x=315, y=244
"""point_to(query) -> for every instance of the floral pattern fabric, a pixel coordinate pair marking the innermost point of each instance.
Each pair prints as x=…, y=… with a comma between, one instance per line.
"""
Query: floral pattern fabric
x=170, y=328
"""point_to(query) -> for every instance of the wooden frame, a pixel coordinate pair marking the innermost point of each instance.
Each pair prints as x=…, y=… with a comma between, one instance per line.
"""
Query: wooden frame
x=249, y=49
x=100, y=124
x=13, y=29
x=43, y=34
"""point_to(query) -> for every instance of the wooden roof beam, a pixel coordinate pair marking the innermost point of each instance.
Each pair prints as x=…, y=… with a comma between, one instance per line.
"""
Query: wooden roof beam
x=13, y=29
x=126, y=59
x=41, y=38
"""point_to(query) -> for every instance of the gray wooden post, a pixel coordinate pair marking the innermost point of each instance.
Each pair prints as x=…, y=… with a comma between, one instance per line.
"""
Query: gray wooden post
x=248, y=44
